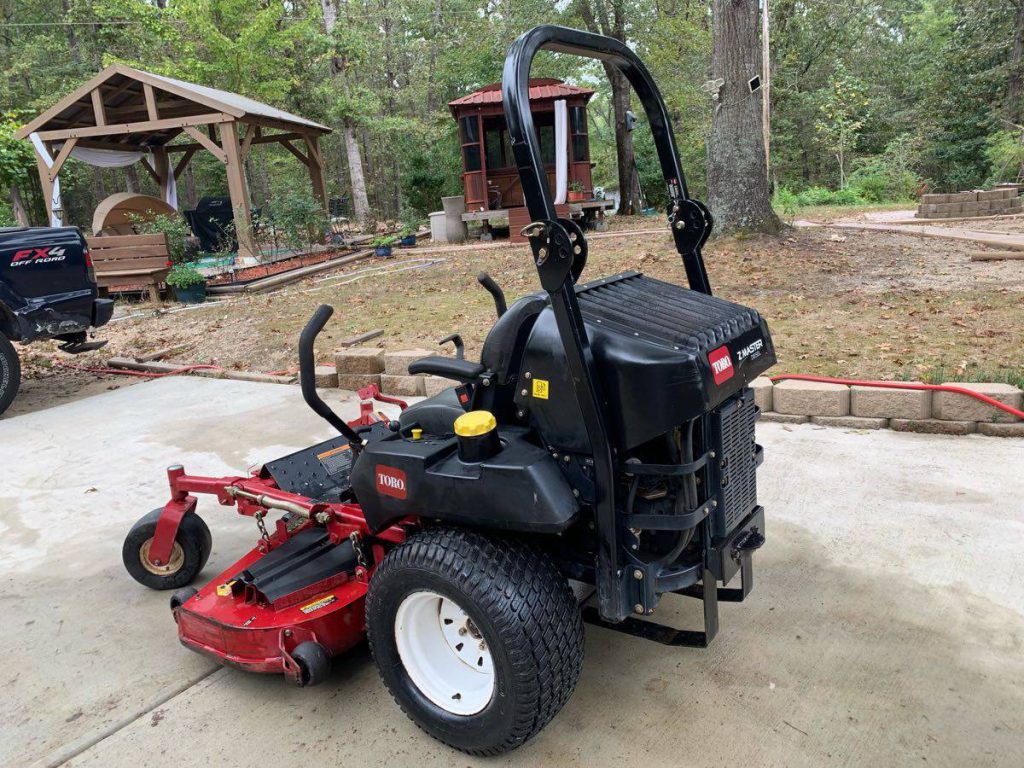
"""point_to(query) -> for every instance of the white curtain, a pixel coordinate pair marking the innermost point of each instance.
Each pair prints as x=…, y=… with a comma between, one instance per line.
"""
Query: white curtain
x=56, y=211
x=561, y=151
x=103, y=158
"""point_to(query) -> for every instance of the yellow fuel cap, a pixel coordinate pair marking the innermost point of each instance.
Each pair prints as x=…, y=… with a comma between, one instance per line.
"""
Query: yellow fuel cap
x=475, y=423
x=417, y=433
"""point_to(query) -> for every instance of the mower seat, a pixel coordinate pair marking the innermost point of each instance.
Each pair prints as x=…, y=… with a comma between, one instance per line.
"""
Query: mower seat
x=436, y=415
x=503, y=347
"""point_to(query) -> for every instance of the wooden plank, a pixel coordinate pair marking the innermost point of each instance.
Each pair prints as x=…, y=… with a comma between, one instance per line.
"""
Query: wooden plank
x=185, y=160
x=247, y=142
x=996, y=255
x=151, y=110
x=150, y=170
x=150, y=278
x=147, y=126
x=129, y=272
x=291, y=148
x=98, y=110
x=260, y=138
x=351, y=341
x=65, y=152
x=207, y=142
x=130, y=254
x=115, y=241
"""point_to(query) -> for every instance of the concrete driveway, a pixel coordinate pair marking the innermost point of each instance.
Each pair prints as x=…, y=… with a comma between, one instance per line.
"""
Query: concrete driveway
x=886, y=626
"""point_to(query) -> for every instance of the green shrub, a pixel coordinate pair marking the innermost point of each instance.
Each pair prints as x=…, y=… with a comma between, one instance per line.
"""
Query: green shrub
x=184, y=276
x=301, y=220
x=175, y=227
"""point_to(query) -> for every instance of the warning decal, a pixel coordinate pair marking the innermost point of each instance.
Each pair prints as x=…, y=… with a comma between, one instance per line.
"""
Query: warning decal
x=316, y=605
x=540, y=389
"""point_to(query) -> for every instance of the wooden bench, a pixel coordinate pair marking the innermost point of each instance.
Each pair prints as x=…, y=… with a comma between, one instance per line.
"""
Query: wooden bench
x=131, y=260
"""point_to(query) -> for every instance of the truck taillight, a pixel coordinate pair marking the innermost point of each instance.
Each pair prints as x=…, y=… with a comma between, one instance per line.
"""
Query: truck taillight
x=90, y=270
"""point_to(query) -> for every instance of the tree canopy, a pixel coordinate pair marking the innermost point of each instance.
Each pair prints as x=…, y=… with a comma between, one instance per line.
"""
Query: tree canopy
x=886, y=99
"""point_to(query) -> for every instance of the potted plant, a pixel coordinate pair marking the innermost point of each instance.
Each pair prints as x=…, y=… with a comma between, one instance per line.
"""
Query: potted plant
x=189, y=284
x=577, y=191
x=409, y=226
x=382, y=246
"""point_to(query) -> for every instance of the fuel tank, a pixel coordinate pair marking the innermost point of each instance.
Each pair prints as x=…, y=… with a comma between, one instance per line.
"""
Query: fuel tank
x=664, y=354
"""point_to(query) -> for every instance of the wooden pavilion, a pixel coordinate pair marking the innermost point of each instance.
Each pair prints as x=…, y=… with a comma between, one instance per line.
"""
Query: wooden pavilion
x=129, y=115
x=490, y=179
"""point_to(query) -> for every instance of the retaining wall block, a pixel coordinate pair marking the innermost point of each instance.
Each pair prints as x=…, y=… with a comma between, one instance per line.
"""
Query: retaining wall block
x=951, y=406
x=397, y=363
x=361, y=360
x=811, y=398
x=412, y=386
x=762, y=387
x=876, y=402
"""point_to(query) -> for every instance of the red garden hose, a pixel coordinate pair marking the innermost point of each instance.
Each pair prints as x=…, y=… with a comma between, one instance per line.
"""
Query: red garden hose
x=904, y=385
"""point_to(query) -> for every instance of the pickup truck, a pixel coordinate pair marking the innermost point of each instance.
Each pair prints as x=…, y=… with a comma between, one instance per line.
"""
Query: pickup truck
x=47, y=291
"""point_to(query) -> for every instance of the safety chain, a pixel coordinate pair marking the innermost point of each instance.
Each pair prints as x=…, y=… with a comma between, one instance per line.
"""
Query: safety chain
x=357, y=545
x=263, y=528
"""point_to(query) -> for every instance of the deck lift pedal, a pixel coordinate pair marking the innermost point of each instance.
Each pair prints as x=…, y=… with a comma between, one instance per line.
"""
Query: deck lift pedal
x=605, y=436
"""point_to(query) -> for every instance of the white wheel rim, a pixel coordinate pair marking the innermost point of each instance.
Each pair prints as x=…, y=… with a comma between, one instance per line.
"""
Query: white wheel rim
x=444, y=653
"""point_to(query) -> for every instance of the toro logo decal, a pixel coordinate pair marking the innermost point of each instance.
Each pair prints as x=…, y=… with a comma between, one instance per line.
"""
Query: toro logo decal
x=391, y=482
x=721, y=364
x=38, y=256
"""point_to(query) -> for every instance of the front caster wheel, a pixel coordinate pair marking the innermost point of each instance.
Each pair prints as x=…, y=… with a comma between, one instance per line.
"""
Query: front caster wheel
x=192, y=546
x=478, y=638
x=314, y=663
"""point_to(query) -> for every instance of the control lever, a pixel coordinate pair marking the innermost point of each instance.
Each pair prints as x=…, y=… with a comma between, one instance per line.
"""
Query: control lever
x=460, y=347
x=495, y=290
x=307, y=377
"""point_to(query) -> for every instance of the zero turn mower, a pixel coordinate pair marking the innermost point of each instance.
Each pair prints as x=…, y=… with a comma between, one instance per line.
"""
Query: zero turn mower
x=606, y=436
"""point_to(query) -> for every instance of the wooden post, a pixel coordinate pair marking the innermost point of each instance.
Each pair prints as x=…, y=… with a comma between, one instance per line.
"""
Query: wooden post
x=316, y=171
x=163, y=170
x=46, y=185
x=238, y=189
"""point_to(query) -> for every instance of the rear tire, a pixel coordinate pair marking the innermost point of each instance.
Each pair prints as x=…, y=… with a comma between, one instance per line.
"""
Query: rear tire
x=522, y=631
x=192, y=546
x=10, y=373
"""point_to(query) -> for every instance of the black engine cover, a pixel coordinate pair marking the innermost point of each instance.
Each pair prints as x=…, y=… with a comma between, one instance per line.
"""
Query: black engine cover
x=664, y=355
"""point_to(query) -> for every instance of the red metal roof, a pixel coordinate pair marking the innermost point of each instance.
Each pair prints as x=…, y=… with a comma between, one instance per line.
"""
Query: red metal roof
x=540, y=88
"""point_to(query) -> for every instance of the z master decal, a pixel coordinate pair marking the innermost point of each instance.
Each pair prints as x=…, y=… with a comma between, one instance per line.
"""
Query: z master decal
x=391, y=482
x=721, y=364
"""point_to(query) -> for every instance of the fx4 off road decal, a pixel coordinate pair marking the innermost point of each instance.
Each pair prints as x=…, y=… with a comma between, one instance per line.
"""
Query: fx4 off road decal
x=46, y=255
x=721, y=364
x=391, y=482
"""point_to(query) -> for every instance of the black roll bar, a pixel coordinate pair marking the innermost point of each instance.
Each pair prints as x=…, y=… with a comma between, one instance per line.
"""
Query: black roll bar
x=560, y=251
x=689, y=219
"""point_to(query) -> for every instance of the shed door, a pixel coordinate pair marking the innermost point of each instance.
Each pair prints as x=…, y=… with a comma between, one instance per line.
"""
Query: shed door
x=472, y=162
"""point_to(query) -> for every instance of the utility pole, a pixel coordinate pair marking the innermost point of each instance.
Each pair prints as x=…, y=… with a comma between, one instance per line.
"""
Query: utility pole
x=766, y=89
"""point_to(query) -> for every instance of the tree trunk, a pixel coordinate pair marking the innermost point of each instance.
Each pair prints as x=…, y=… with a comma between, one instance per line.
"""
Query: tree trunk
x=18, y=207
x=1015, y=84
x=738, y=193
x=352, y=151
x=355, y=172
x=625, y=159
x=132, y=179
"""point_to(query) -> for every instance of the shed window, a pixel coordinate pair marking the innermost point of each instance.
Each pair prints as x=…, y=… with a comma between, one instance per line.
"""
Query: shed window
x=578, y=134
x=497, y=146
x=469, y=127
x=545, y=122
